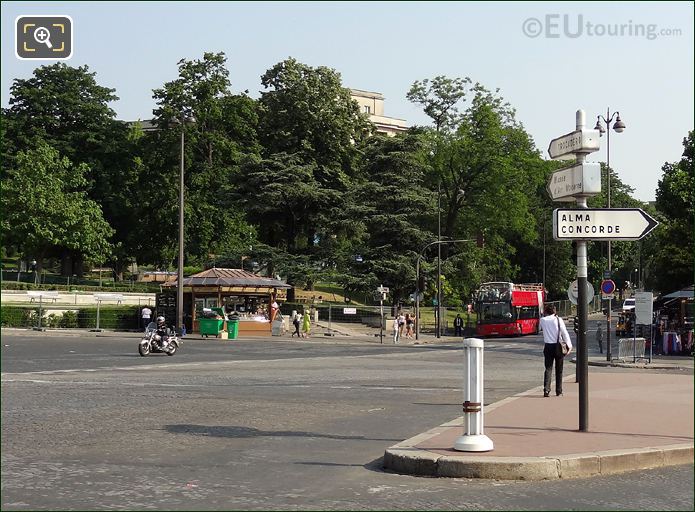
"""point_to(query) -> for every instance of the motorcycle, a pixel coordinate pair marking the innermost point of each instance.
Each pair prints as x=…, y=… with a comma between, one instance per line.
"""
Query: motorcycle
x=152, y=343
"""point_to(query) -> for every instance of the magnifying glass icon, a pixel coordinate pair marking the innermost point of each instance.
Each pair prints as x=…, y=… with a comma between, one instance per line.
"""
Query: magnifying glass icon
x=43, y=36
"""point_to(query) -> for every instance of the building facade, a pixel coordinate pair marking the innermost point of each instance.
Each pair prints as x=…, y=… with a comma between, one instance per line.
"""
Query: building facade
x=372, y=104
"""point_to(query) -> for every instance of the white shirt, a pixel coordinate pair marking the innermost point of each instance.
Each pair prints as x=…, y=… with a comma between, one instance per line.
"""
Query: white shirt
x=549, y=328
x=146, y=312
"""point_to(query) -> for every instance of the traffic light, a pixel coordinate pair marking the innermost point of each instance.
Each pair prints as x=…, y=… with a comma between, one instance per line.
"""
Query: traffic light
x=480, y=240
x=421, y=284
x=576, y=325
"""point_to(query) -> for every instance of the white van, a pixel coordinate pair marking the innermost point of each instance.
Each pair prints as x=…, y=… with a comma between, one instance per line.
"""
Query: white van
x=629, y=305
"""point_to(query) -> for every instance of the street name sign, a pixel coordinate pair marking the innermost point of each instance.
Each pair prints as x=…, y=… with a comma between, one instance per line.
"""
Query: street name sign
x=349, y=311
x=382, y=289
x=578, y=141
x=577, y=180
x=601, y=224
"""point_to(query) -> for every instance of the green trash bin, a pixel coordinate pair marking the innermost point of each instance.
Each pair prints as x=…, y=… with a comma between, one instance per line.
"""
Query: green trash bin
x=210, y=326
x=232, y=328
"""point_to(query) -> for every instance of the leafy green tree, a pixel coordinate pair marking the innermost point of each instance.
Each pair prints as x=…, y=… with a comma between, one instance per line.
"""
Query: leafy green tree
x=46, y=210
x=439, y=98
x=393, y=205
x=221, y=138
x=312, y=133
x=68, y=109
x=670, y=252
x=65, y=107
x=488, y=171
x=307, y=112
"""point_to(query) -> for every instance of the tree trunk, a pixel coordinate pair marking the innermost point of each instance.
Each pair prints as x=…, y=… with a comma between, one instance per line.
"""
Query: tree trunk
x=78, y=265
x=66, y=263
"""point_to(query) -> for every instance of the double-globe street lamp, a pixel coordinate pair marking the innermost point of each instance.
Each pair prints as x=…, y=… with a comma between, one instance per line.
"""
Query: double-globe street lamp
x=619, y=127
x=183, y=121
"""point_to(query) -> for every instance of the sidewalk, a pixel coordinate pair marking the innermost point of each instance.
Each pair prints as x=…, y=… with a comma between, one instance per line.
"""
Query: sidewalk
x=637, y=420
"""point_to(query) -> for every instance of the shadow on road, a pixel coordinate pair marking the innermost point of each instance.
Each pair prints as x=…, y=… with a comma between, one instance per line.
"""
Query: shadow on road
x=377, y=465
x=245, y=432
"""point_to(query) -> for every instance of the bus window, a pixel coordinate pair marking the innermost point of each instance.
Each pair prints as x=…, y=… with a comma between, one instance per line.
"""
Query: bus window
x=499, y=312
x=527, y=312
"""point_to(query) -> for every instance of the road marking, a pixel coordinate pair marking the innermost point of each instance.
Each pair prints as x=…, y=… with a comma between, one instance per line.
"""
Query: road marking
x=204, y=385
x=182, y=366
x=106, y=383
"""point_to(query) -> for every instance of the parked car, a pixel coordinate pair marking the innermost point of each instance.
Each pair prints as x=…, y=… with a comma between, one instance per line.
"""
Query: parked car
x=629, y=305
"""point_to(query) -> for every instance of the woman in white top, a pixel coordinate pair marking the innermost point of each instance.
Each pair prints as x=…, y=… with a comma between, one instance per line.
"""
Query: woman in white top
x=553, y=327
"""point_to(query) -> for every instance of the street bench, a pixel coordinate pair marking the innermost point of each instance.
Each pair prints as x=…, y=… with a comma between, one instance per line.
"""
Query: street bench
x=42, y=295
x=112, y=297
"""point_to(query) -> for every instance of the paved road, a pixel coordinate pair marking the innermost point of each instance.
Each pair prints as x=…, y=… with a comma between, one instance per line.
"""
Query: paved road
x=263, y=425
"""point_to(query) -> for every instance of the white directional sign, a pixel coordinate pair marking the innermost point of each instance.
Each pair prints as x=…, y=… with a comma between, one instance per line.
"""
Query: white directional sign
x=349, y=311
x=578, y=180
x=382, y=289
x=578, y=141
x=601, y=224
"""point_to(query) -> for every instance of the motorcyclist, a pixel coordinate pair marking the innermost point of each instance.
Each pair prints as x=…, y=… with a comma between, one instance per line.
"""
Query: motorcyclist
x=162, y=332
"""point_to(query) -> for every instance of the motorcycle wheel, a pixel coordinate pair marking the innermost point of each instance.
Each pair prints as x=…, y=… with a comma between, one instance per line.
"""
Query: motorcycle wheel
x=172, y=349
x=144, y=349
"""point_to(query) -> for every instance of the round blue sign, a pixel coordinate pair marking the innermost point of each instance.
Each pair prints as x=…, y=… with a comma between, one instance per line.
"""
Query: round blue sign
x=607, y=286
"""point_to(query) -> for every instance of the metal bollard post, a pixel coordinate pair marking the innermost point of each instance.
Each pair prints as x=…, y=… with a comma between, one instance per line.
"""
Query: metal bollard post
x=473, y=438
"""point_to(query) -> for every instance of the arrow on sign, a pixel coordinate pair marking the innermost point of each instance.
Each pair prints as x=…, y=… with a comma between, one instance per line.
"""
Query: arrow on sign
x=601, y=224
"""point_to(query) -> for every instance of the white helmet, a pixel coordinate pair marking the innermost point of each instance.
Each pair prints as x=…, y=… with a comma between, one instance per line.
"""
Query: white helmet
x=160, y=320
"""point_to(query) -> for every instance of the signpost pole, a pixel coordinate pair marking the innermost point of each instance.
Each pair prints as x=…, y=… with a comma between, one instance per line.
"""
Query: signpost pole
x=381, y=315
x=582, y=348
x=417, y=299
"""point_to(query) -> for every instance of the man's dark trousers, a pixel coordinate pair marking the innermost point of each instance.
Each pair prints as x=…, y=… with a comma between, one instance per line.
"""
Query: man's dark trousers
x=553, y=353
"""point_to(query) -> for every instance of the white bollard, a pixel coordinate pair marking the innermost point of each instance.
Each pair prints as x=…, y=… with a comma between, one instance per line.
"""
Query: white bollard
x=473, y=438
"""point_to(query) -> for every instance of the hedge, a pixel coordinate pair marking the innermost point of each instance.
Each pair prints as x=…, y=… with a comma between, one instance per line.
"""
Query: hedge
x=110, y=317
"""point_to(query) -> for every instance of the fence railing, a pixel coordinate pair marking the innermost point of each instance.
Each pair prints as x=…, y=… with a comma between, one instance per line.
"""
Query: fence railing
x=124, y=318
x=43, y=280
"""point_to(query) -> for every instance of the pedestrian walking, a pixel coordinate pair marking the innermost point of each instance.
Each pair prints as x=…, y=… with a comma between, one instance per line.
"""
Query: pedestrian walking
x=396, y=329
x=554, y=331
x=296, y=321
x=409, y=323
x=458, y=326
x=599, y=338
x=146, y=316
x=306, y=325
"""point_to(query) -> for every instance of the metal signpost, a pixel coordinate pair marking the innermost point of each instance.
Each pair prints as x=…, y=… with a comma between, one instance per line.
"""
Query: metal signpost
x=382, y=291
x=644, y=313
x=578, y=144
x=583, y=224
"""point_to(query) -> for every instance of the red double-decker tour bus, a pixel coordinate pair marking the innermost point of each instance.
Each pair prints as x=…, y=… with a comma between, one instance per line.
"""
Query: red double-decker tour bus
x=508, y=309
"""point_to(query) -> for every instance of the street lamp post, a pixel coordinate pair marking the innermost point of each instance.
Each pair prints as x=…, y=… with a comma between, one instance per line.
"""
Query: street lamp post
x=417, y=279
x=179, y=279
x=438, y=316
x=618, y=126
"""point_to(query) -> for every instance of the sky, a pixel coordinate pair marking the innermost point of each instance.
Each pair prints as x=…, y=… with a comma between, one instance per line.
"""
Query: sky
x=548, y=59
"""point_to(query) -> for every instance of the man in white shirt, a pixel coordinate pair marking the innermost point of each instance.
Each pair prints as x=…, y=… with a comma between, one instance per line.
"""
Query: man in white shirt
x=553, y=327
x=146, y=315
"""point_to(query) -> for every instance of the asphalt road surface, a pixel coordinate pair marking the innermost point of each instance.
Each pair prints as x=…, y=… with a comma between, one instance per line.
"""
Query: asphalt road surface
x=267, y=424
